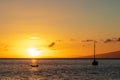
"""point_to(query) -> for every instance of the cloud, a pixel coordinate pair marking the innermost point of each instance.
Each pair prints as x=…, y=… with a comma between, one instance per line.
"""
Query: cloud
x=52, y=44
x=109, y=40
x=88, y=40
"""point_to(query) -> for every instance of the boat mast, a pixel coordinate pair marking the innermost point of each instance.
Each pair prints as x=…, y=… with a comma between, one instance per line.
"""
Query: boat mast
x=94, y=50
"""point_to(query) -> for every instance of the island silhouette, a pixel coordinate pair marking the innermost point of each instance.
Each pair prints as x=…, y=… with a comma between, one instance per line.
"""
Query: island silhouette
x=115, y=54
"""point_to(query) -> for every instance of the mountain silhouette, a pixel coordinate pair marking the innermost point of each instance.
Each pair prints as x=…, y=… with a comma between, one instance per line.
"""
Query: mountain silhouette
x=115, y=54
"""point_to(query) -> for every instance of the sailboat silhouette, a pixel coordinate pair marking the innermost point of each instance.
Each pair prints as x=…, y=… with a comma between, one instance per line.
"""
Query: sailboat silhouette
x=94, y=63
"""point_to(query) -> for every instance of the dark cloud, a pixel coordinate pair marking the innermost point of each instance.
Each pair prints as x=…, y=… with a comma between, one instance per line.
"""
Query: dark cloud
x=87, y=40
x=52, y=44
x=109, y=40
x=112, y=40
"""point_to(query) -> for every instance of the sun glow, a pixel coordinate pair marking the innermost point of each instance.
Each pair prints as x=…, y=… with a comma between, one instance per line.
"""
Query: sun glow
x=33, y=52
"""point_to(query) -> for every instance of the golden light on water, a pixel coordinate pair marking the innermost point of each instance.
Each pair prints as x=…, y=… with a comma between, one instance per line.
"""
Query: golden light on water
x=34, y=61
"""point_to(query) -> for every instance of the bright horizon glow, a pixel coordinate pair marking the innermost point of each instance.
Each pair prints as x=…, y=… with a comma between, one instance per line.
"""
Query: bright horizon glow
x=34, y=38
x=33, y=52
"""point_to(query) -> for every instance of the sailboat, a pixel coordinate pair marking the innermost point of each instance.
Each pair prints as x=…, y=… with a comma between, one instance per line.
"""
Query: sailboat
x=95, y=63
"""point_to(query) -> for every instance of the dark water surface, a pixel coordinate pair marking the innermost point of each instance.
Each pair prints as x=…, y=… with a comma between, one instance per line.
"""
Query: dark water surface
x=59, y=70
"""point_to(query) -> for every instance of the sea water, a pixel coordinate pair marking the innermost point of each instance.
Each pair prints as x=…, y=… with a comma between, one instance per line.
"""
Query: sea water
x=59, y=70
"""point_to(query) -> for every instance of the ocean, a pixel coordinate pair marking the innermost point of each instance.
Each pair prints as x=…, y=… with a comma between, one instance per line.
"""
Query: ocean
x=59, y=70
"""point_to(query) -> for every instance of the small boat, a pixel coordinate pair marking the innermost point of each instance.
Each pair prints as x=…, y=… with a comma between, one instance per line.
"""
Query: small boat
x=35, y=65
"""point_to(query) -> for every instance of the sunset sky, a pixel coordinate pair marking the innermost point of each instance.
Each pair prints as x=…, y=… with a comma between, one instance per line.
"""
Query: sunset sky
x=29, y=27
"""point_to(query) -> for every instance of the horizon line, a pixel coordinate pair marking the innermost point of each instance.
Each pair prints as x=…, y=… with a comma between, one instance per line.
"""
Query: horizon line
x=56, y=58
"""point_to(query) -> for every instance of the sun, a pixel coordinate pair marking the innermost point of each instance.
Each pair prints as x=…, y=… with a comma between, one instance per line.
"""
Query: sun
x=33, y=52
